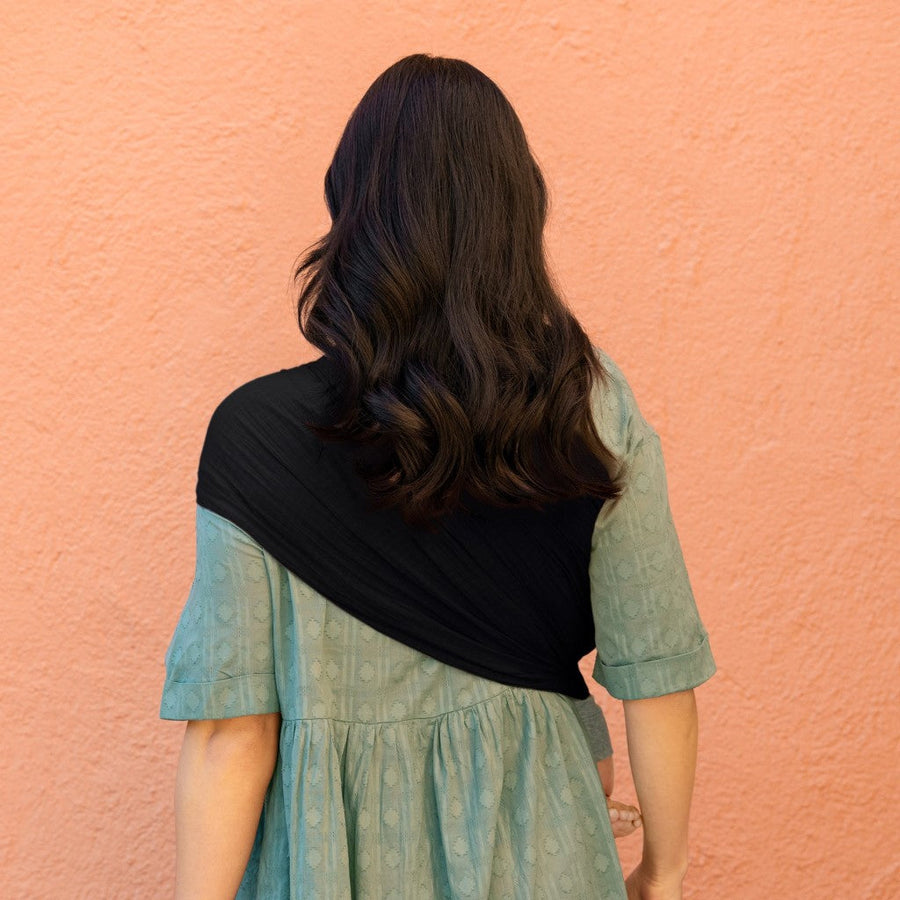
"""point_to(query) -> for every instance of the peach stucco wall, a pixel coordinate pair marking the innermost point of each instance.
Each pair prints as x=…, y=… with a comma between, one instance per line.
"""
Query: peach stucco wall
x=725, y=183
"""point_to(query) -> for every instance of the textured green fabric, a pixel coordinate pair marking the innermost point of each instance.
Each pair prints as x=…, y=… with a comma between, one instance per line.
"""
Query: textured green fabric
x=649, y=636
x=399, y=776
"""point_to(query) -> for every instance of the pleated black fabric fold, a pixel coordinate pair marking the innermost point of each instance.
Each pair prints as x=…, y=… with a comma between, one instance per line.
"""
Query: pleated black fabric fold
x=500, y=593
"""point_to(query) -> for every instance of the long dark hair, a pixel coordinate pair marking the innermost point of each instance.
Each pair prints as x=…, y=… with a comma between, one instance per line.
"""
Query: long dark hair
x=462, y=371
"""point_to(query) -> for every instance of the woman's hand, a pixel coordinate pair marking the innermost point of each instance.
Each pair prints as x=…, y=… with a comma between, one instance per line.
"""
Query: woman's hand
x=624, y=818
x=641, y=886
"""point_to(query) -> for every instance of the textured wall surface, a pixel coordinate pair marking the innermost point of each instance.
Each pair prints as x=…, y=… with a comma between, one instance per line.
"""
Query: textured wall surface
x=725, y=186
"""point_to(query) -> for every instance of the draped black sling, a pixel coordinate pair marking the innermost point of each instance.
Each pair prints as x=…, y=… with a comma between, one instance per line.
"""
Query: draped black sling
x=503, y=593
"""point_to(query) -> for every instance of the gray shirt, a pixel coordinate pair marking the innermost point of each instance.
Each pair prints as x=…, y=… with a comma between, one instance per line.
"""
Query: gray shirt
x=593, y=722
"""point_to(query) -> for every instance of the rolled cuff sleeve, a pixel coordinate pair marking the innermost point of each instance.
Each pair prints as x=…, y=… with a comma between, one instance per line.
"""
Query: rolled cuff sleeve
x=243, y=695
x=220, y=662
x=649, y=635
x=655, y=677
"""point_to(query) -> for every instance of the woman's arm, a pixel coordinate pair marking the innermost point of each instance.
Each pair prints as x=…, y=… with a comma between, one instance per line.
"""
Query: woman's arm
x=224, y=771
x=662, y=747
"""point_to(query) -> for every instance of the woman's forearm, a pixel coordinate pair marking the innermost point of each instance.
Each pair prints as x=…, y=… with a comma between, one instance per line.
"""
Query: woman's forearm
x=224, y=771
x=662, y=748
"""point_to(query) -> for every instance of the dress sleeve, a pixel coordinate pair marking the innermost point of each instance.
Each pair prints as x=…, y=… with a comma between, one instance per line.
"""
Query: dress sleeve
x=220, y=662
x=649, y=636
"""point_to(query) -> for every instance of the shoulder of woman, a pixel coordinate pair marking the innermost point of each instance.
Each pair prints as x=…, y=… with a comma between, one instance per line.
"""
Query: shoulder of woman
x=616, y=413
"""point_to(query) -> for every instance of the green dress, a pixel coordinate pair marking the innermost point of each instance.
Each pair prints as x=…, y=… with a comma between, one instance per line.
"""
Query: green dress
x=399, y=776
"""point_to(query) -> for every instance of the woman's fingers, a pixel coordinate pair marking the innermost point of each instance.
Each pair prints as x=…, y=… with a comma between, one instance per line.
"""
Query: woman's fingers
x=623, y=817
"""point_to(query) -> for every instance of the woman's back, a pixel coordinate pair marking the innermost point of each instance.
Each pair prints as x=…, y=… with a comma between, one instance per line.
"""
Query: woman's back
x=399, y=775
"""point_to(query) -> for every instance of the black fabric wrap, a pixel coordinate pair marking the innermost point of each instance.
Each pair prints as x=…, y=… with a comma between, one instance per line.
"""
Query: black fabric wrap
x=501, y=593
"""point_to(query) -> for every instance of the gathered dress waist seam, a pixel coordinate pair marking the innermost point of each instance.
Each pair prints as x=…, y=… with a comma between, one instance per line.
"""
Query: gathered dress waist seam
x=506, y=691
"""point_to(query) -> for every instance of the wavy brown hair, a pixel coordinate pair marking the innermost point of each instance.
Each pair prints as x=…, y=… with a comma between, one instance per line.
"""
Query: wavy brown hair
x=461, y=370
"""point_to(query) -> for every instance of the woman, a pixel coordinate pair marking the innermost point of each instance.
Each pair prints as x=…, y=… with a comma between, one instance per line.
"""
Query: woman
x=405, y=546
